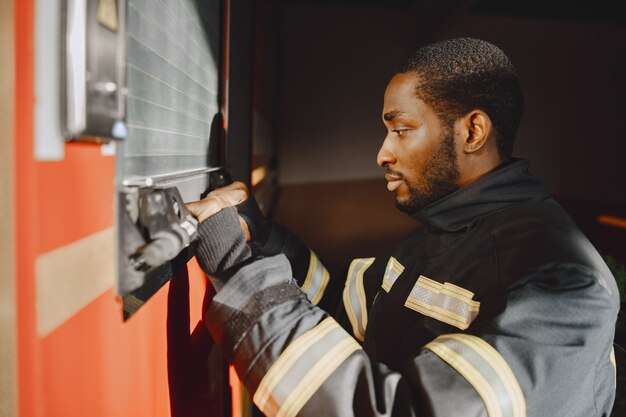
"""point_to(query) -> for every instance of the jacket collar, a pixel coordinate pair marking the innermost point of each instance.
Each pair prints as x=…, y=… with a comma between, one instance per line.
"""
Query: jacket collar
x=509, y=185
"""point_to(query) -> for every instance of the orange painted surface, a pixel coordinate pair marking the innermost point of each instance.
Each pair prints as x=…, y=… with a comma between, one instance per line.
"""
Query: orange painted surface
x=76, y=196
x=96, y=365
x=93, y=364
x=235, y=387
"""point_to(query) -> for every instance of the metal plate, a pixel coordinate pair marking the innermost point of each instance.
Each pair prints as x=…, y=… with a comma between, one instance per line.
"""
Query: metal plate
x=173, y=82
x=93, y=70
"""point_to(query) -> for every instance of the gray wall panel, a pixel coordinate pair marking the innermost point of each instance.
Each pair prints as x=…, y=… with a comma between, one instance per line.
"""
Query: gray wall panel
x=173, y=84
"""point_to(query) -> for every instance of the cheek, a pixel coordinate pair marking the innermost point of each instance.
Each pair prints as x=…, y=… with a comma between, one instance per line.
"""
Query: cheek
x=415, y=156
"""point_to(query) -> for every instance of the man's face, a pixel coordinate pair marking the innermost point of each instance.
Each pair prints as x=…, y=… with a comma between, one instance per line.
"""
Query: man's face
x=419, y=151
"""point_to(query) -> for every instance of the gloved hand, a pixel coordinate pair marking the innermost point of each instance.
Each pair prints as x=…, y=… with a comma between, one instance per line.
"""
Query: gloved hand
x=228, y=196
x=255, y=225
x=259, y=227
x=265, y=237
x=222, y=247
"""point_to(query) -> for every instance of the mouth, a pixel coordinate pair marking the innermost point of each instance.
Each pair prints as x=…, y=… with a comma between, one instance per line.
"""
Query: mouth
x=393, y=181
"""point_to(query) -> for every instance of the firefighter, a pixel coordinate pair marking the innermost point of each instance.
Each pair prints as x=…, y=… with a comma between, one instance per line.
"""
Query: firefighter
x=497, y=306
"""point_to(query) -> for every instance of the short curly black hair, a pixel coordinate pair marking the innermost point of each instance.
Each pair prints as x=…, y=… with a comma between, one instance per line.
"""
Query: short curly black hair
x=459, y=75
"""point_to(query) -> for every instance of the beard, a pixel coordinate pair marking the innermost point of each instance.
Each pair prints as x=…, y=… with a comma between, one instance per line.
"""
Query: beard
x=439, y=178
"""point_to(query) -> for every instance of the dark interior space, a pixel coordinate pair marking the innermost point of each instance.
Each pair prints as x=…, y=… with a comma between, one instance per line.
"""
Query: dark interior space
x=333, y=59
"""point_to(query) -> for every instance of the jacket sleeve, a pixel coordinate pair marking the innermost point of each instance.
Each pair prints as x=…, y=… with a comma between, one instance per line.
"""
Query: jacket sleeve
x=268, y=239
x=307, y=268
x=547, y=352
x=292, y=356
x=347, y=295
x=529, y=360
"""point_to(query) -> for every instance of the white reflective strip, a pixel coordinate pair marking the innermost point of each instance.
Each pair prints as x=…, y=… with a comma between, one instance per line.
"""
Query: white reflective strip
x=354, y=296
x=485, y=369
x=302, y=368
x=317, y=278
x=392, y=272
x=444, y=302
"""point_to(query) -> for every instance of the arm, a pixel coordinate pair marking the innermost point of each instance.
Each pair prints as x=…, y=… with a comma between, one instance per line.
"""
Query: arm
x=267, y=238
x=527, y=359
x=287, y=351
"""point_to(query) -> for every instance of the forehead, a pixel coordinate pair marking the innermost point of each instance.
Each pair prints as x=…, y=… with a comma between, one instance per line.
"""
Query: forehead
x=400, y=96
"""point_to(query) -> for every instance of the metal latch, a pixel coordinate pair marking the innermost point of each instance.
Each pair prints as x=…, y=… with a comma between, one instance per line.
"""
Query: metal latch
x=168, y=225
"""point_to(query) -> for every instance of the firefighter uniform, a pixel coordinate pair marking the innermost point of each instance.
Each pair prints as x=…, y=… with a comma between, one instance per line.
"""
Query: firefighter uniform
x=498, y=306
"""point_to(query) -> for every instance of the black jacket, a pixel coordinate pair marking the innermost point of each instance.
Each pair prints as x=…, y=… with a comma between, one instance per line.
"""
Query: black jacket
x=498, y=306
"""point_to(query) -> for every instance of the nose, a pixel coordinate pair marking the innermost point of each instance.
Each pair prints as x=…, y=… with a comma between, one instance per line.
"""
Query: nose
x=386, y=156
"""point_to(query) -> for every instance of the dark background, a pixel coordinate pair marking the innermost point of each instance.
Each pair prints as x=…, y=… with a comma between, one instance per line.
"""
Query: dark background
x=320, y=70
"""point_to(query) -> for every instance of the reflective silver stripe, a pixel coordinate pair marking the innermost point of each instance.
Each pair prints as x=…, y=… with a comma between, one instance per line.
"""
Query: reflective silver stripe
x=485, y=369
x=614, y=362
x=445, y=302
x=354, y=296
x=392, y=272
x=302, y=368
x=317, y=278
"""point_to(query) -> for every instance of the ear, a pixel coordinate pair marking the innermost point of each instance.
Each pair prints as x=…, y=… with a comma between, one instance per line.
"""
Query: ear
x=477, y=125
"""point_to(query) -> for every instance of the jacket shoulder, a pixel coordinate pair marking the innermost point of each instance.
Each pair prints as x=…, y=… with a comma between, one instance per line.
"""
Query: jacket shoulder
x=528, y=237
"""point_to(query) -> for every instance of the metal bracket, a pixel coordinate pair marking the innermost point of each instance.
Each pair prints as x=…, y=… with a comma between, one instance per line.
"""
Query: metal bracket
x=155, y=237
x=168, y=225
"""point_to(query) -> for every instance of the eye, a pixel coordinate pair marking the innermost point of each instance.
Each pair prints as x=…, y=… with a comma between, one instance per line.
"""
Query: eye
x=400, y=132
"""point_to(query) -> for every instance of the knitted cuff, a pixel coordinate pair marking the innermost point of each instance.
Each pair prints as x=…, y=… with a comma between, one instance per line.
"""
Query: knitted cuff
x=222, y=245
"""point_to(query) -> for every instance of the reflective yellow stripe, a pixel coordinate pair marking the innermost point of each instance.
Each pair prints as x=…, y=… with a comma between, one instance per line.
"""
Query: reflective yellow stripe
x=474, y=377
x=302, y=368
x=354, y=296
x=446, y=302
x=501, y=367
x=392, y=272
x=485, y=369
x=316, y=376
x=437, y=313
x=614, y=362
x=315, y=299
x=316, y=280
x=289, y=357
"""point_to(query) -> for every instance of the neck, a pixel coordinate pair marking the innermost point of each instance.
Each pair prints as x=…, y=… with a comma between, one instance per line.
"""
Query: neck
x=474, y=175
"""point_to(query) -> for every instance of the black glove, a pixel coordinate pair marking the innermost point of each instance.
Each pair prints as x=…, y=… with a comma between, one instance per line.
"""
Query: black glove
x=258, y=224
x=266, y=238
